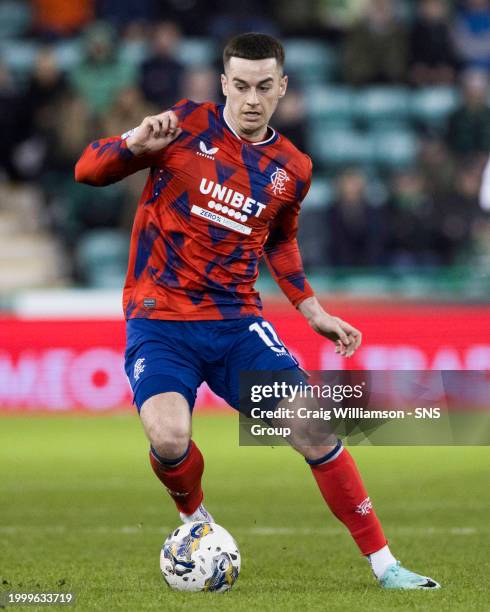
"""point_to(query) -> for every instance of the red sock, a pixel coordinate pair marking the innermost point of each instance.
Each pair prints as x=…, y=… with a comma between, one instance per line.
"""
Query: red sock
x=183, y=481
x=342, y=488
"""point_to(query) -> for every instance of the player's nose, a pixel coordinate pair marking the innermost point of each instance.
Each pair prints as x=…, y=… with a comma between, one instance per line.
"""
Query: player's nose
x=252, y=98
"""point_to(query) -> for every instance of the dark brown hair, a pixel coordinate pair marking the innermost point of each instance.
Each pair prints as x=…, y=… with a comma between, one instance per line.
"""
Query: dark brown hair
x=254, y=46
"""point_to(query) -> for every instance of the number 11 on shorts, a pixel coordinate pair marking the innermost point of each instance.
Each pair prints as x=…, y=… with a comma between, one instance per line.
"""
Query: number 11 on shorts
x=261, y=328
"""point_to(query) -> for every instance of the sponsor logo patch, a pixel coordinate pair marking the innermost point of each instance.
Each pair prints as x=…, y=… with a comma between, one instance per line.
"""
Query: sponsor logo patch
x=221, y=220
x=205, y=152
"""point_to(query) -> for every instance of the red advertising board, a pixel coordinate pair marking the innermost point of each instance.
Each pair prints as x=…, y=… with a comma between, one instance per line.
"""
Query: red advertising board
x=63, y=365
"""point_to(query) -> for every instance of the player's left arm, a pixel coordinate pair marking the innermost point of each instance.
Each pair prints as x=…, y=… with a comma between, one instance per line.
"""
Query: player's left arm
x=346, y=337
x=485, y=188
x=283, y=258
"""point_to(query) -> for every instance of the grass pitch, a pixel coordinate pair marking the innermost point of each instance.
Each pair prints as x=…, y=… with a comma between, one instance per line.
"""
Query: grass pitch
x=80, y=510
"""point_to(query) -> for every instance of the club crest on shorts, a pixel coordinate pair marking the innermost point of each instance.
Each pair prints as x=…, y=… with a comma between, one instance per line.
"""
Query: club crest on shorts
x=279, y=178
x=139, y=367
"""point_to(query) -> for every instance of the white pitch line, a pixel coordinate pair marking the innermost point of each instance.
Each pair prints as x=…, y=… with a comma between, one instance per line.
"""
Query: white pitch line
x=255, y=531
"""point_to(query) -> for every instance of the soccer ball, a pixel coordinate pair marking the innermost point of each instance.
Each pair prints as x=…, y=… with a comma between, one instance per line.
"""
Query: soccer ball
x=200, y=556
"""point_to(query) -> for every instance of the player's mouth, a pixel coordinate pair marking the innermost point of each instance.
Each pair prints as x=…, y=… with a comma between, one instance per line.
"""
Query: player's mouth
x=251, y=115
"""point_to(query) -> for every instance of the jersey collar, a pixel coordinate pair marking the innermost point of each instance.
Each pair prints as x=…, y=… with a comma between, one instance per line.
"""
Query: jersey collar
x=270, y=140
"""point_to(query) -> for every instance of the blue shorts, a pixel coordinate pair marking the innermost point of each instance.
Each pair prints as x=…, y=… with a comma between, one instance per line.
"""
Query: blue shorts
x=178, y=356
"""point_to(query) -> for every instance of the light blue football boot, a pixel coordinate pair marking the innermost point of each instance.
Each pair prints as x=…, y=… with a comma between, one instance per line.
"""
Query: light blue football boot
x=397, y=577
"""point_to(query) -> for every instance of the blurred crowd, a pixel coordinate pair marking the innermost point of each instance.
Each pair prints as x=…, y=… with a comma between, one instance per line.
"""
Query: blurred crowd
x=424, y=214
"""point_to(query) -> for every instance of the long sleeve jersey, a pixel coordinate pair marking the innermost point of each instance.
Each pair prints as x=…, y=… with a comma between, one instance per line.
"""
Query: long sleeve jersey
x=212, y=207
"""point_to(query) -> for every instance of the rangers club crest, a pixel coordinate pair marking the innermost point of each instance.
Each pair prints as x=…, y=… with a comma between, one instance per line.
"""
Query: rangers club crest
x=279, y=178
x=139, y=367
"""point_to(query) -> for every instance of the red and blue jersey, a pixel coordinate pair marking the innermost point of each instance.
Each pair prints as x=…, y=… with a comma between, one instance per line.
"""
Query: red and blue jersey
x=212, y=207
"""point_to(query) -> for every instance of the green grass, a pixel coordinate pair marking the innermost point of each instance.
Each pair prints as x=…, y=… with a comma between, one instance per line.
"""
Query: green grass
x=80, y=510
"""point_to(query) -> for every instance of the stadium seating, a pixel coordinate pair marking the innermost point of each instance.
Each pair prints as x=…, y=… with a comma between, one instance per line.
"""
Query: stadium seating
x=376, y=105
x=14, y=19
x=394, y=148
x=330, y=104
x=29, y=256
x=431, y=106
x=341, y=146
x=102, y=257
x=195, y=51
x=19, y=56
x=391, y=147
x=310, y=61
x=376, y=127
x=320, y=194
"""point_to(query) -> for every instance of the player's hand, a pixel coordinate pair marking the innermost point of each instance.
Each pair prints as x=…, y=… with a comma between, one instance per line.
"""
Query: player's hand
x=154, y=133
x=347, y=339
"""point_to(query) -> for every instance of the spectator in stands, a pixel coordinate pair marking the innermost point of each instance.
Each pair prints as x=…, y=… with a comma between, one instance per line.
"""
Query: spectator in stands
x=126, y=112
x=357, y=230
x=46, y=86
x=230, y=17
x=413, y=225
x=296, y=18
x=469, y=125
x=161, y=72
x=290, y=118
x=433, y=58
x=69, y=204
x=338, y=17
x=13, y=127
x=200, y=84
x=60, y=18
x=126, y=13
x=460, y=214
x=437, y=167
x=45, y=91
x=375, y=50
x=192, y=15
x=472, y=33
x=73, y=127
x=480, y=247
x=102, y=74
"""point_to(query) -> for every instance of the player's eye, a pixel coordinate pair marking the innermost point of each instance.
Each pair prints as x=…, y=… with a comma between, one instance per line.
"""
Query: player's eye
x=264, y=88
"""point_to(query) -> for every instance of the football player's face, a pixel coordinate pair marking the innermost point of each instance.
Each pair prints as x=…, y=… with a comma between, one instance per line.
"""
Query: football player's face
x=252, y=89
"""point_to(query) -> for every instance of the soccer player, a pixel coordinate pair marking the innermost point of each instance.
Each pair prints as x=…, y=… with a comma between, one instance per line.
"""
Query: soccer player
x=223, y=190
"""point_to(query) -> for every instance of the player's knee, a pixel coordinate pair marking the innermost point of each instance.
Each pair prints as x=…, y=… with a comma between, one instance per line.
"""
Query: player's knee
x=170, y=443
x=167, y=423
x=169, y=439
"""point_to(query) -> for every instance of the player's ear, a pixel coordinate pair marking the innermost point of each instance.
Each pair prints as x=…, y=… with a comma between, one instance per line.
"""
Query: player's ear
x=283, y=85
x=224, y=84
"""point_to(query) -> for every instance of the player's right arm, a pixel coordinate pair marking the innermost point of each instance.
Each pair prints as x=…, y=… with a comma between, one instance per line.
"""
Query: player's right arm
x=109, y=160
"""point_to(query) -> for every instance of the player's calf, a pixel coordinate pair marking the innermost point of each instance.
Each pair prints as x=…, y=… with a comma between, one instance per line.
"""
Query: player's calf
x=175, y=459
x=181, y=477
